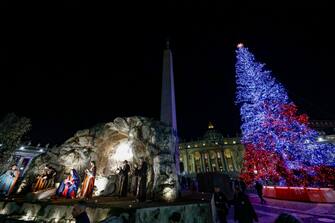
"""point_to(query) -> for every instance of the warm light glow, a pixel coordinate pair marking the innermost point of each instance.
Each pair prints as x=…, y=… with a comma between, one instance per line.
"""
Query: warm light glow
x=240, y=45
x=169, y=194
x=123, y=152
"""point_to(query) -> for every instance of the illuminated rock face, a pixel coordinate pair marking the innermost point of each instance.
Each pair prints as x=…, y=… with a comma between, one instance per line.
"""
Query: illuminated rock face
x=109, y=145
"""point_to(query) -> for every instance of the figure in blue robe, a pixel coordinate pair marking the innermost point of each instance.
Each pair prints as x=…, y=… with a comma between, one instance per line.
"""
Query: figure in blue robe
x=8, y=180
x=69, y=186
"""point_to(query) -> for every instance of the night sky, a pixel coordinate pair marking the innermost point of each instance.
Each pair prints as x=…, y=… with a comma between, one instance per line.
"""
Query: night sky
x=81, y=65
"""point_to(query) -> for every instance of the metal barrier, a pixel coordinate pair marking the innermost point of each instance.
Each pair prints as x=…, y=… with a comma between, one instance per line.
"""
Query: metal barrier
x=306, y=194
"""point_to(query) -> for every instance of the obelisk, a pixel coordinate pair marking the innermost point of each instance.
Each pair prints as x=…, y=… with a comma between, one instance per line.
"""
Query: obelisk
x=168, y=103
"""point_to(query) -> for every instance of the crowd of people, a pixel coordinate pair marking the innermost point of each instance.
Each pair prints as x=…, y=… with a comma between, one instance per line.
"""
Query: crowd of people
x=244, y=211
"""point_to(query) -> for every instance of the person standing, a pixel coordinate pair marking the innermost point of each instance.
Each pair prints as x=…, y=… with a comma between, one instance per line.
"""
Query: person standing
x=135, y=177
x=124, y=179
x=142, y=185
x=287, y=218
x=79, y=213
x=175, y=217
x=221, y=205
x=244, y=211
x=259, y=189
x=243, y=185
x=88, y=184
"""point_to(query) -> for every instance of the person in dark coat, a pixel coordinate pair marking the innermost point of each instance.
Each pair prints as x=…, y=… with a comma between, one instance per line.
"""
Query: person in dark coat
x=124, y=179
x=79, y=212
x=259, y=189
x=142, y=185
x=286, y=218
x=135, y=180
x=221, y=205
x=175, y=217
x=243, y=185
x=244, y=211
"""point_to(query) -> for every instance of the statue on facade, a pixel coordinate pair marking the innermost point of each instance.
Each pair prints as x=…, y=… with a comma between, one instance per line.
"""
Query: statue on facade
x=123, y=186
x=8, y=180
x=87, y=186
x=69, y=186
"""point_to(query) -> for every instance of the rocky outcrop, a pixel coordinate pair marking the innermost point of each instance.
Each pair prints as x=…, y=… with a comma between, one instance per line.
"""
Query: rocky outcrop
x=109, y=144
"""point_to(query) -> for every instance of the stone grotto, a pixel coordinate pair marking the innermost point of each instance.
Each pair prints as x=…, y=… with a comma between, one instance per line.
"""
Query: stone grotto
x=109, y=144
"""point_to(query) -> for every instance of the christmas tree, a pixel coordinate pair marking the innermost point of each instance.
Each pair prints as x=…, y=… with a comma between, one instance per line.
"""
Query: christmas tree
x=272, y=127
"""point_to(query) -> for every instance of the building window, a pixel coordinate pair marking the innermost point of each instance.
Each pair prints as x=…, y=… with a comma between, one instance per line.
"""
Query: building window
x=220, y=161
x=197, y=162
x=213, y=161
x=229, y=157
x=206, y=161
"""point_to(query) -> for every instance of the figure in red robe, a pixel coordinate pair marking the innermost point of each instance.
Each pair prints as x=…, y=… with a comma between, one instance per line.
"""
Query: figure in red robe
x=87, y=186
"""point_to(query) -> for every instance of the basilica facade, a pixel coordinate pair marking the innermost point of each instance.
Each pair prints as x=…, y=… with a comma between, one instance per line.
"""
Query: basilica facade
x=212, y=153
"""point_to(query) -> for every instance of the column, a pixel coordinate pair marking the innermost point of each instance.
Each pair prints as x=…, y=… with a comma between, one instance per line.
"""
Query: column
x=209, y=162
x=193, y=162
x=20, y=162
x=233, y=158
x=203, y=167
x=186, y=162
x=27, y=167
x=224, y=161
x=216, y=161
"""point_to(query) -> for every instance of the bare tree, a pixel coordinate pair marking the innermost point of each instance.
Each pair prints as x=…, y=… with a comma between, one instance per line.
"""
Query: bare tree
x=13, y=129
